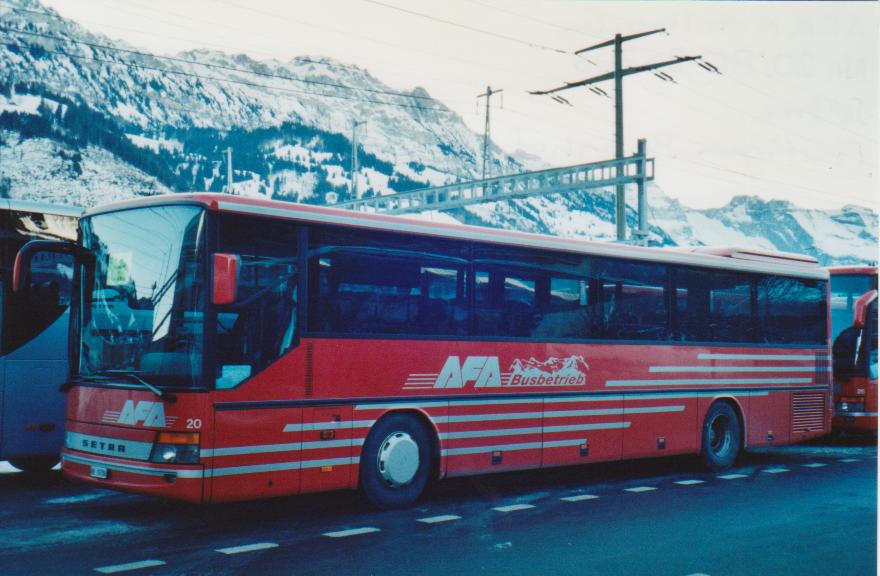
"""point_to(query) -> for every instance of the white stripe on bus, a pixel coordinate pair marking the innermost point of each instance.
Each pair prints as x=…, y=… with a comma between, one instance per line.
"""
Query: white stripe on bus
x=493, y=417
x=312, y=427
x=281, y=466
x=810, y=357
x=289, y=447
x=520, y=446
x=708, y=381
x=559, y=399
x=736, y=369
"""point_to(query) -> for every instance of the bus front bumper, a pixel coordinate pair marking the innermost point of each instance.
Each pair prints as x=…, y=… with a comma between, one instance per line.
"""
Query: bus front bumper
x=175, y=482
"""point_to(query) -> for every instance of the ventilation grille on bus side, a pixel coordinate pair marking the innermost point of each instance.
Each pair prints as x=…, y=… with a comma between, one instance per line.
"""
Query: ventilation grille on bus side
x=808, y=411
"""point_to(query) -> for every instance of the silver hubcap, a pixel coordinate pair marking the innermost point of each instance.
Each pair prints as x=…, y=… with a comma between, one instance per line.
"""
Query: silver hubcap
x=398, y=459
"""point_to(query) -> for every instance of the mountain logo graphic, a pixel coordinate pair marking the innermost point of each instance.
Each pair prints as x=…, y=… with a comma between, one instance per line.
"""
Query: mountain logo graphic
x=571, y=371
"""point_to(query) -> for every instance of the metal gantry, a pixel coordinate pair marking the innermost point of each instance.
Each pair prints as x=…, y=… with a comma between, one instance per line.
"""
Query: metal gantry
x=636, y=169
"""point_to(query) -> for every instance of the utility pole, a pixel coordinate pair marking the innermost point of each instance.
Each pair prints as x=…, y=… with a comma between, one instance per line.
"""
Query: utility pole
x=354, y=158
x=617, y=75
x=229, y=170
x=488, y=96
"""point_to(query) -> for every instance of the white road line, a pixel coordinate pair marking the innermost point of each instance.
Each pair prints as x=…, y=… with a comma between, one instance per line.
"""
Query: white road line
x=247, y=548
x=513, y=507
x=640, y=489
x=776, y=470
x=733, y=476
x=814, y=465
x=688, y=482
x=579, y=498
x=849, y=460
x=130, y=566
x=437, y=519
x=351, y=532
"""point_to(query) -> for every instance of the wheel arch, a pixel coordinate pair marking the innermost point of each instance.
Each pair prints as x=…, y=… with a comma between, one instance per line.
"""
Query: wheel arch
x=430, y=427
x=734, y=403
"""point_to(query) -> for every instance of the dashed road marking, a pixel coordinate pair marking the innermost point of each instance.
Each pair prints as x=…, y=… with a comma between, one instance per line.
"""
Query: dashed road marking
x=513, y=507
x=688, y=482
x=732, y=476
x=579, y=498
x=247, y=548
x=779, y=470
x=438, y=519
x=849, y=460
x=77, y=499
x=814, y=465
x=129, y=566
x=351, y=532
x=640, y=489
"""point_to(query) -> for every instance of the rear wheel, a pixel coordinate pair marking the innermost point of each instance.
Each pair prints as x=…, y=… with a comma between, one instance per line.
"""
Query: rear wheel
x=722, y=437
x=36, y=465
x=395, y=462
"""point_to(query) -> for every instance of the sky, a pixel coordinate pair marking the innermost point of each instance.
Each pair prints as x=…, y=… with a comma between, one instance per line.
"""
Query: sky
x=792, y=116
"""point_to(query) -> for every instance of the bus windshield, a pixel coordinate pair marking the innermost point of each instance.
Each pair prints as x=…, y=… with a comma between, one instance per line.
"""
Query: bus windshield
x=845, y=290
x=142, y=308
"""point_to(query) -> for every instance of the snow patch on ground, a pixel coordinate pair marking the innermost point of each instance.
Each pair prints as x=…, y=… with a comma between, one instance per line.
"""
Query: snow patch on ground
x=20, y=103
x=156, y=144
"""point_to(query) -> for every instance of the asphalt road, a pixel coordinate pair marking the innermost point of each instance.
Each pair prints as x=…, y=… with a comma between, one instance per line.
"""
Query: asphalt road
x=793, y=510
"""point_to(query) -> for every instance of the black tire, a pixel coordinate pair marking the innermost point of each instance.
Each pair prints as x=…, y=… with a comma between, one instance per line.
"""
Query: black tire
x=395, y=430
x=35, y=465
x=722, y=437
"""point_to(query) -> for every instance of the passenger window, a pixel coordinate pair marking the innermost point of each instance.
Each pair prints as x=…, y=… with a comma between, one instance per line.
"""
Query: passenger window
x=380, y=284
x=792, y=311
x=731, y=308
x=633, y=300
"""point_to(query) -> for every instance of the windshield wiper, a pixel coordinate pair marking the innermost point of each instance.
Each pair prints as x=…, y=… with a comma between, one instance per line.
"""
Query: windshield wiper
x=132, y=375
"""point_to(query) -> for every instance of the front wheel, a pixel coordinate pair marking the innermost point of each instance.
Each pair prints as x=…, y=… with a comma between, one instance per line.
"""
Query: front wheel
x=722, y=437
x=395, y=462
x=35, y=465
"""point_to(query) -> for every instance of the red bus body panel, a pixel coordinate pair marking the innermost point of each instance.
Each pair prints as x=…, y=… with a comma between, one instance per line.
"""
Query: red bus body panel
x=293, y=429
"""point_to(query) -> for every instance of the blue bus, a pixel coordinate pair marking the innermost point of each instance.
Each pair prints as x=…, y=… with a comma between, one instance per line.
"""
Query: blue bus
x=33, y=335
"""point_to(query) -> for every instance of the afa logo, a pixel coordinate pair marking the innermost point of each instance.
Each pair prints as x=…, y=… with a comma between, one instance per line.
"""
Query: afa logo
x=485, y=372
x=150, y=413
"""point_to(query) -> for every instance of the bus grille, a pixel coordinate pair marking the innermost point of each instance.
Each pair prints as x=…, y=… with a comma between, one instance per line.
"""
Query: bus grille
x=808, y=411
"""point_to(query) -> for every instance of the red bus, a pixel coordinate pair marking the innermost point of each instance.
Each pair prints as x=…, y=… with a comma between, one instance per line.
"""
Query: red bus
x=854, y=335
x=229, y=348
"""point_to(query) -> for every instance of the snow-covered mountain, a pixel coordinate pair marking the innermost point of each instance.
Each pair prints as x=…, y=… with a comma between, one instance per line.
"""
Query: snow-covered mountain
x=85, y=120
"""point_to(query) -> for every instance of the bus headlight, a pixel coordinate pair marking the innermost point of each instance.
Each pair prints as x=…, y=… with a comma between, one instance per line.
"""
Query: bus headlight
x=175, y=448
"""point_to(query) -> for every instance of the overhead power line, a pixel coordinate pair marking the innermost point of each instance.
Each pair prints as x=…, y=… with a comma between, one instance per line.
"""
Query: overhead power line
x=617, y=75
x=470, y=28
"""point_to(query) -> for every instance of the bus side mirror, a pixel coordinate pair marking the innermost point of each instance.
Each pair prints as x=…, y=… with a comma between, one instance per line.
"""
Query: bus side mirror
x=21, y=272
x=860, y=309
x=225, y=279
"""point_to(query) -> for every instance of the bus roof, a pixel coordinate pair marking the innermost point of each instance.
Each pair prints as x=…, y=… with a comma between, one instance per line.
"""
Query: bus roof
x=726, y=258
x=854, y=270
x=40, y=207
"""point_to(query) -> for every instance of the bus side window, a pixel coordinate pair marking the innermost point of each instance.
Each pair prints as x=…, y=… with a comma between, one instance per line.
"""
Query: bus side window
x=260, y=326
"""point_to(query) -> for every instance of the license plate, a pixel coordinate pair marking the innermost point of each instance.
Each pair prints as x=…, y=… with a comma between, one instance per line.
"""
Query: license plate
x=98, y=472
